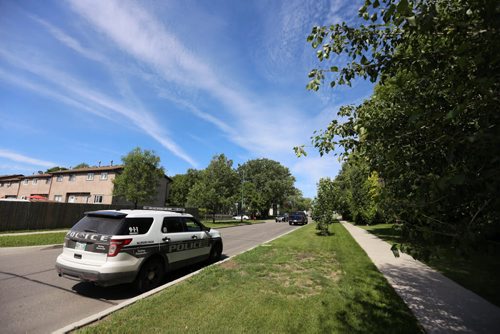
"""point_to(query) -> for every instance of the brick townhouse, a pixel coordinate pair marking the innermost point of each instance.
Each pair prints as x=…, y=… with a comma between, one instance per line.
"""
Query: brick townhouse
x=83, y=185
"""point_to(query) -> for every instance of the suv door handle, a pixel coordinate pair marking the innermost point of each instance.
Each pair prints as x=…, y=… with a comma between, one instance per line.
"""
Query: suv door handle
x=194, y=237
x=167, y=239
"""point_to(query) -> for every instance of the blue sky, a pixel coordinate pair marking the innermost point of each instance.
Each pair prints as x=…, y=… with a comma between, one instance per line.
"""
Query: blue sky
x=87, y=81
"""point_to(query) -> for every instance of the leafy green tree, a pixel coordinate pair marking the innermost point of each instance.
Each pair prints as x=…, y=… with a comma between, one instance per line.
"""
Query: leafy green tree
x=296, y=202
x=216, y=188
x=273, y=182
x=139, y=180
x=55, y=169
x=181, y=186
x=81, y=165
x=431, y=130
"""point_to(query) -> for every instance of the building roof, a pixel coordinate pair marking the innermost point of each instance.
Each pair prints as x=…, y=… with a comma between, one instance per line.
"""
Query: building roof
x=37, y=176
x=90, y=169
x=13, y=177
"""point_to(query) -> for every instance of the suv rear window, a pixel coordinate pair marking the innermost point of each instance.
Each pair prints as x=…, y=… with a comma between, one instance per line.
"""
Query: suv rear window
x=113, y=226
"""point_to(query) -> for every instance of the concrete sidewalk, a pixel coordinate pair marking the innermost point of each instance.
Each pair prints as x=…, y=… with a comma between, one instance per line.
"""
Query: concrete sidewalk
x=439, y=304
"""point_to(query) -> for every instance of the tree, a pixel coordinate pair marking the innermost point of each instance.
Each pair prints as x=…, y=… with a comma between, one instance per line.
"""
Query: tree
x=431, y=130
x=182, y=185
x=81, y=165
x=273, y=182
x=139, y=180
x=55, y=169
x=216, y=187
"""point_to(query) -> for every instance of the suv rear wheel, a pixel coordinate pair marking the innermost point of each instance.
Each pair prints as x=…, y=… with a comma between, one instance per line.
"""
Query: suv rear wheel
x=150, y=276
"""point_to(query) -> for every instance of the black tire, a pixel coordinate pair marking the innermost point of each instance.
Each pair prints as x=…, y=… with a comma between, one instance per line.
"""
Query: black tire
x=150, y=276
x=289, y=223
x=216, y=252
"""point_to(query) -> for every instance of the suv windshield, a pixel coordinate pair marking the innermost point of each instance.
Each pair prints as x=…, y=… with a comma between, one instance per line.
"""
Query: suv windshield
x=113, y=225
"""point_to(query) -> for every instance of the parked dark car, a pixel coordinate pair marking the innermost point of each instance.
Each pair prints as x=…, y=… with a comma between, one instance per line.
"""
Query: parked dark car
x=283, y=218
x=297, y=218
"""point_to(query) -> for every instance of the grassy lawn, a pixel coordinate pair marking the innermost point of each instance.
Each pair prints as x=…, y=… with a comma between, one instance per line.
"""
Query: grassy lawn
x=32, y=239
x=300, y=283
x=478, y=272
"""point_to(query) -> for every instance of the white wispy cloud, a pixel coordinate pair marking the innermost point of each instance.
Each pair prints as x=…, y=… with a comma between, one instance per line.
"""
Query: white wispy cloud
x=17, y=157
x=69, y=41
x=82, y=97
x=141, y=35
x=312, y=169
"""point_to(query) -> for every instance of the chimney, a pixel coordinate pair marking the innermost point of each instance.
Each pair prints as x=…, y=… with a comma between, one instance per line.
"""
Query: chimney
x=99, y=164
x=111, y=162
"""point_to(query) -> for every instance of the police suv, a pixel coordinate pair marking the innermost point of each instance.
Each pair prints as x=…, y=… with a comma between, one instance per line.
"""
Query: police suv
x=113, y=247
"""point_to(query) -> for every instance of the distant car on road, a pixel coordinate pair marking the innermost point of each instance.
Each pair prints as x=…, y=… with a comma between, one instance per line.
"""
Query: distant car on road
x=297, y=218
x=245, y=217
x=283, y=218
x=112, y=247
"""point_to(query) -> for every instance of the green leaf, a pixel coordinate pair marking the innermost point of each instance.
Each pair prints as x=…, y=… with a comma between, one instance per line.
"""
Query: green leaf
x=403, y=7
x=412, y=21
x=334, y=69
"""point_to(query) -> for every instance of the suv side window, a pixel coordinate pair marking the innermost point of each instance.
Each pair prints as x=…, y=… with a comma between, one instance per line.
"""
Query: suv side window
x=192, y=225
x=172, y=225
x=134, y=226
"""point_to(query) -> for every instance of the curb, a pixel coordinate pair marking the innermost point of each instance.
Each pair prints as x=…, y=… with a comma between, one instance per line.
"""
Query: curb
x=99, y=316
x=6, y=249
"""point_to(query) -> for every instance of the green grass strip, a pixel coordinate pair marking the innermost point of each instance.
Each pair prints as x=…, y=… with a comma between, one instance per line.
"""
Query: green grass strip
x=32, y=239
x=300, y=283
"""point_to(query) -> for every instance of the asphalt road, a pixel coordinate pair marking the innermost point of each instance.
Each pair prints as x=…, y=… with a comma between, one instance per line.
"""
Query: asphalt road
x=34, y=299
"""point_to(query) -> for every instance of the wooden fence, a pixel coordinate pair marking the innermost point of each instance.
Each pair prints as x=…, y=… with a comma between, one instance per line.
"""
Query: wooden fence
x=15, y=216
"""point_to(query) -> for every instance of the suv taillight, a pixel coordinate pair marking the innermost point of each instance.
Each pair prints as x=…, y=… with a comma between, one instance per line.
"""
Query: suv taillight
x=116, y=245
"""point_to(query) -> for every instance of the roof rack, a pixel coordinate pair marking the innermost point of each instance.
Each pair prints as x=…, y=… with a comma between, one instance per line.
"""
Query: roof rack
x=172, y=209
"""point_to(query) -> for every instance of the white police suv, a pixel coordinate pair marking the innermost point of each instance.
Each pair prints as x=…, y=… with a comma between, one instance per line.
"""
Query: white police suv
x=113, y=247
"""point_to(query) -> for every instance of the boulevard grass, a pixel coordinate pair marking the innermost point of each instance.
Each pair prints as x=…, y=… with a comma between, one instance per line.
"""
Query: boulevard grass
x=32, y=239
x=300, y=283
x=476, y=271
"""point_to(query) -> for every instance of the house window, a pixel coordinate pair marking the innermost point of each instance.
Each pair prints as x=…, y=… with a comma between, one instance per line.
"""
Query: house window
x=58, y=198
x=47, y=181
x=59, y=178
x=97, y=198
x=35, y=181
x=72, y=177
x=26, y=181
x=90, y=177
x=104, y=175
x=8, y=184
x=1, y=184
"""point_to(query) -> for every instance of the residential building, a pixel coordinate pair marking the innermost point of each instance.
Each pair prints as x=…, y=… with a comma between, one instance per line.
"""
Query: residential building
x=9, y=185
x=84, y=185
x=35, y=185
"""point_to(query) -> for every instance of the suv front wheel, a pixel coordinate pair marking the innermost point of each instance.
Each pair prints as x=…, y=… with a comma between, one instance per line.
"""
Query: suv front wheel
x=216, y=252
